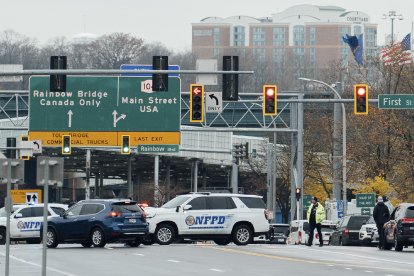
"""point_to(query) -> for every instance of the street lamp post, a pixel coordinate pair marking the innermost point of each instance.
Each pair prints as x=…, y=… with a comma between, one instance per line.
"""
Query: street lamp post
x=344, y=186
x=392, y=15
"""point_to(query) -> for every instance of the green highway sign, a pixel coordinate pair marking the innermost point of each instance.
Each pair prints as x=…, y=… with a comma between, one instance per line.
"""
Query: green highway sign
x=306, y=201
x=104, y=104
x=365, y=211
x=365, y=200
x=157, y=148
x=396, y=101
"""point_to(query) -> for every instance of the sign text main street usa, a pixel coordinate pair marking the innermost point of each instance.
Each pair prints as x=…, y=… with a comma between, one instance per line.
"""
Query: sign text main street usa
x=97, y=111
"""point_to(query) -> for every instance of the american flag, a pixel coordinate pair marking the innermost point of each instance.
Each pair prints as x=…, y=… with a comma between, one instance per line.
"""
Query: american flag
x=398, y=53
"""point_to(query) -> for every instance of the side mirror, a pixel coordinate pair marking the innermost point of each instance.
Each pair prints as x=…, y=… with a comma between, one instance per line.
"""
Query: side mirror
x=177, y=209
x=187, y=207
x=18, y=215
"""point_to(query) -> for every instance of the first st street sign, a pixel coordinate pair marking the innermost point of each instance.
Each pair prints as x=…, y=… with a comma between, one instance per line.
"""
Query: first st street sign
x=97, y=111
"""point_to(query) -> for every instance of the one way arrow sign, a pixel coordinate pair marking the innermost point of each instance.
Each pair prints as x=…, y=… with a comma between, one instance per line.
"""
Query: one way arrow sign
x=214, y=102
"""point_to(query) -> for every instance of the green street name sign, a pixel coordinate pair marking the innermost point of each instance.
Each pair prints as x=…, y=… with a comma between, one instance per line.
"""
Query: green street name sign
x=157, y=148
x=307, y=201
x=365, y=200
x=396, y=101
x=104, y=104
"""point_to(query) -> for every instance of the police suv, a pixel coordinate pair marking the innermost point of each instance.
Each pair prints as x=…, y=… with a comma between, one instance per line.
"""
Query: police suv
x=209, y=216
x=26, y=220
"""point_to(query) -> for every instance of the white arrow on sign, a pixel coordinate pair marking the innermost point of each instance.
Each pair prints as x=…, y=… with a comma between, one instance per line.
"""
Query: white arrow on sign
x=70, y=113
x=123, y=116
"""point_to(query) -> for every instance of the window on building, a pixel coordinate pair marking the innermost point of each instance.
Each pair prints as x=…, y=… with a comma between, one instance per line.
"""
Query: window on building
x=278, y=55
x=312, y=60
x=344, y=31
x=371, y=37
x=298, y=35
x=278, y=36
x=344, y=56
x=259, y=54
x=216, y=36
x=238, y=36
x=258, y=36
x=357, y=30
x=312, y=31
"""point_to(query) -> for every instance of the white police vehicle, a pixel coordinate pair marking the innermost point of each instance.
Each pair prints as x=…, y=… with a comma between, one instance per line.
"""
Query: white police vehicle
x=26, y=220
x=209, y=216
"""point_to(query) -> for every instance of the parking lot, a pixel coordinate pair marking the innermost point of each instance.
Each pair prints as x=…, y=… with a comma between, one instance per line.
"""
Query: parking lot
x=208, y=259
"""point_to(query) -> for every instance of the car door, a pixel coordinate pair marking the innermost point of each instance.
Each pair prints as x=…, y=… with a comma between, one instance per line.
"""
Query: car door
x=67, y=227
x=192, y=221
x=20, y=223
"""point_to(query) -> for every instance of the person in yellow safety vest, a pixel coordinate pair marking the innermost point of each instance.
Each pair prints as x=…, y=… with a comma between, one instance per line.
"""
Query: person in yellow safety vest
x=316, y=214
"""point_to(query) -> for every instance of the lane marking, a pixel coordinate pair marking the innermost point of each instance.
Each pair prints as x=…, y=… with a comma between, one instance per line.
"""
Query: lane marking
x=139, y=254
x=369, y=271
x=348, y=268
x=216, y=270
x=301, y=260
x=173, y=261
x=38, y=265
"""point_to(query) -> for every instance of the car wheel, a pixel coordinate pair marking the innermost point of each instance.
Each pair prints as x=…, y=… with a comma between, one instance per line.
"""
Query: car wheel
x=224, y=241
x=397, y=245
x=148, y=240
x=2, y=236
x=86, y=244
x=51, y=238
x=134, y=243
x=164, y=234
x=98, y=238
x=242, y=234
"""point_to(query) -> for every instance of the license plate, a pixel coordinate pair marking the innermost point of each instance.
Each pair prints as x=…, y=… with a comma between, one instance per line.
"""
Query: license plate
x=132, y=220
x=280, y=240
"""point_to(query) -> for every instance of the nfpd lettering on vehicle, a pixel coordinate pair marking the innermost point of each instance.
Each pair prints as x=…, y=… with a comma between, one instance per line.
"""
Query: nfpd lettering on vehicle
x=205, y=222
x=28, y=226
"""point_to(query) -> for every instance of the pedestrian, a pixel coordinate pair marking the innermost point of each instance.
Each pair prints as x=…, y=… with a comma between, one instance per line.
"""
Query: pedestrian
x=381, y=216
x=316, y=214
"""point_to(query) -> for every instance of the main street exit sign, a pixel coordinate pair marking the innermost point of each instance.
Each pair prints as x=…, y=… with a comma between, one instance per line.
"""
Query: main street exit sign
x=396, y=101
x=97, y=111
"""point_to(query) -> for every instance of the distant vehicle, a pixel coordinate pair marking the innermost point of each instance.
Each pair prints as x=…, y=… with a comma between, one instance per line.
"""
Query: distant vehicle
x=220, y=217
x=98, y=221
x=347, y=232
x=368, y=234
x=399, y=231
x=279, y=233
x=327, y=228
x=26, y=220
x=298, y=232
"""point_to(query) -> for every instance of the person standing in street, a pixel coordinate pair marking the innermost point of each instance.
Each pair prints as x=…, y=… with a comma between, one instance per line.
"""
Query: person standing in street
x=316, y=214
x=381, y=216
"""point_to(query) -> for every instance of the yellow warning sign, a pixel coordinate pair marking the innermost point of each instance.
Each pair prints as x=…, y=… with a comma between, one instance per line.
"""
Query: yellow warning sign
x=26, y=196
x=106, y=139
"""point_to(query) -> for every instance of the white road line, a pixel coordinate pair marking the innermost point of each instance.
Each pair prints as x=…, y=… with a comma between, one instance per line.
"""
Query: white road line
x=138, y=254
x=369, y=271
x=173, y=261
x=330, y=265
x=216, y=270
x=348, y=268
x=109, y=248
x=38, y=265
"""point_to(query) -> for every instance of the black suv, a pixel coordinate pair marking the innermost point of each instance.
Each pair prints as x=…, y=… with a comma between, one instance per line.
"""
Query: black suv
x=98, y=221
x=399, y=231
x=347, y=231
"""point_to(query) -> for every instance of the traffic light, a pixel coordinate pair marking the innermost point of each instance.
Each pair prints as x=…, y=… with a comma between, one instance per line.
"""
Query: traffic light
x=58, y=82
x=196, y=103
x=160, y=81
x=125, y=149
x=66, y=144
x=298, y=193
x=360, y=99
x=230, y=81
x=269, y=99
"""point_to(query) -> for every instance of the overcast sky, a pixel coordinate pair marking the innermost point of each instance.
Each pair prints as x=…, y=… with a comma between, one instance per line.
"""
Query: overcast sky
x=168, y=21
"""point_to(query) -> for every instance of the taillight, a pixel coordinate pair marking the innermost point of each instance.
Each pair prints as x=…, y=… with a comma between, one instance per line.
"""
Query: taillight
x=346, y=232
x=407, y=220
x=113, y=214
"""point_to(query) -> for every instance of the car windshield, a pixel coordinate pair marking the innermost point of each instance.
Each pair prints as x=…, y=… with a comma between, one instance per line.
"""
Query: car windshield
x=356, y=222
x=410, y=212
x=178, y=201
x=3, y=212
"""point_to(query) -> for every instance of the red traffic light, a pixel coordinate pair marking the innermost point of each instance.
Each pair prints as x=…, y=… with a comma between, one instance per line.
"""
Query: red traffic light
x=360, y=99
x=361, y=91
x=270, y=92
x=269, y=100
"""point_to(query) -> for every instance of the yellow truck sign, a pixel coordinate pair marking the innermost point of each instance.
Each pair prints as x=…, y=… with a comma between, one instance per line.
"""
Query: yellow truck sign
x=26, y=196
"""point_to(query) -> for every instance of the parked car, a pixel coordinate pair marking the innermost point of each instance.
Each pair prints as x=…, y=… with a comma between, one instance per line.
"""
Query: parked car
x=220, y=217
x=26, y=220
x=368, y=234
x=278, y=233
x=298, y=232
x=347, y=232
x=399, y=230
x=98, y=221
x=327, y=228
